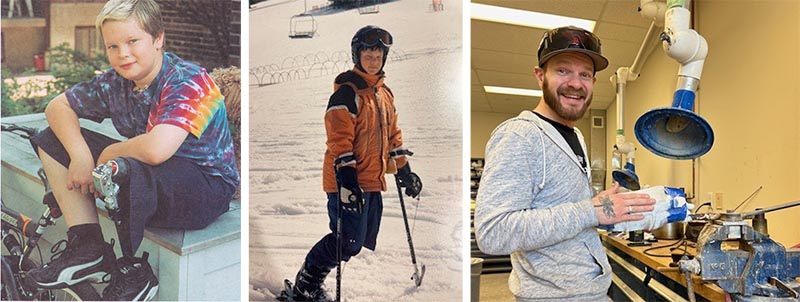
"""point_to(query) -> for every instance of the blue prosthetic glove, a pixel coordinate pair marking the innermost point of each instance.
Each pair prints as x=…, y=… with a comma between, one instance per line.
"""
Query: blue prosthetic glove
x=671, y=206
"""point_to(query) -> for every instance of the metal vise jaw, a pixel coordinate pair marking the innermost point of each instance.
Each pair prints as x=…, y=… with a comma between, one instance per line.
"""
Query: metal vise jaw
x=745, y=263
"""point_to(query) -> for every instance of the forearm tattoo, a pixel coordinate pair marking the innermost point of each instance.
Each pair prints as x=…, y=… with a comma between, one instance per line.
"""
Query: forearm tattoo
x=608, y=206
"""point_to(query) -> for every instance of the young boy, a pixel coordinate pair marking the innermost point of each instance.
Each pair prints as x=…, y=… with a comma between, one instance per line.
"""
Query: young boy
x=182, y=168
x=364, y=143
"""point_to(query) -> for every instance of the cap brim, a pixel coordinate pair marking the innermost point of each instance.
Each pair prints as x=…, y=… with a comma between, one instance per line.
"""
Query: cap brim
x=600, y=62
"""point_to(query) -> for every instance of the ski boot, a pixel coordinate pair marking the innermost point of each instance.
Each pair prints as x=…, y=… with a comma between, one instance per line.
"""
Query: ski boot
x=307, y=287
x=291, y=294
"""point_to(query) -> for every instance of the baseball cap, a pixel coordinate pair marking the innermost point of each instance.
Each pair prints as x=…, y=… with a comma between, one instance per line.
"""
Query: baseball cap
x=571, y=39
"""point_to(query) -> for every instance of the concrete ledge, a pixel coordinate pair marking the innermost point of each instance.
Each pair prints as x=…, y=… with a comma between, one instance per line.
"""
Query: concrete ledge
x=190, y=265
x=18, y=22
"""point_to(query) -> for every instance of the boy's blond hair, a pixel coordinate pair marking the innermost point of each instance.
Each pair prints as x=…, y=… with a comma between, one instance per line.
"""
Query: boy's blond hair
x=146, y=12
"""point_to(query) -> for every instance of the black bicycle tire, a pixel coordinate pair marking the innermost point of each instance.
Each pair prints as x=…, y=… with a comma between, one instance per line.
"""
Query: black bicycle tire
x=85, y=292
x=9, y=284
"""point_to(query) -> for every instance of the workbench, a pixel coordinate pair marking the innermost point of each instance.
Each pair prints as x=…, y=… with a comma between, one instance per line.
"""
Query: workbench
x=633, y=258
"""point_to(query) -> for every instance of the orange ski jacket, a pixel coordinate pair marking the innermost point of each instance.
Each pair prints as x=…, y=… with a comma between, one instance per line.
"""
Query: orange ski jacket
x=361, y=127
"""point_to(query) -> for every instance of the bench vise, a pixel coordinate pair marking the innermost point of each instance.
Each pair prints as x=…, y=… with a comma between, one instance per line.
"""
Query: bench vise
x=745, y=263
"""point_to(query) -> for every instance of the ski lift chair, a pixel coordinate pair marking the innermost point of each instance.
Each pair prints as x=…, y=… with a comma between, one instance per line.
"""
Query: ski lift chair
x=368, y=7
x=302, y=26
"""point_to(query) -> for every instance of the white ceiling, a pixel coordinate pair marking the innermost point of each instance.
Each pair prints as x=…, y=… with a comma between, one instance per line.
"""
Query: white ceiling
x=504, y=55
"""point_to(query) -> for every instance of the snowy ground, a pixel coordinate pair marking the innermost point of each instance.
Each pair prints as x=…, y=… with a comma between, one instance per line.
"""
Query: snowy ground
x=287, y=141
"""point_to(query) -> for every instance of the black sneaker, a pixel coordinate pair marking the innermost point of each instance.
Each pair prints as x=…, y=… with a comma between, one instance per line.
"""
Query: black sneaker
x=133, y=280
x=74, y=264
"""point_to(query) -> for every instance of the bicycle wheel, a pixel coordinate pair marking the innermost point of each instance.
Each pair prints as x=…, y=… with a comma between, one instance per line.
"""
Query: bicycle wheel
x=9, y=292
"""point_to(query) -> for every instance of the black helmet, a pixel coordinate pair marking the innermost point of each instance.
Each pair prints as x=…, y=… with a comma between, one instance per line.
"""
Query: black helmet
x=370, y=36
x=571, y=38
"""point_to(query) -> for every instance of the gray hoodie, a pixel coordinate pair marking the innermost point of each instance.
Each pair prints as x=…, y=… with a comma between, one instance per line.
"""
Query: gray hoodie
x=534, y=203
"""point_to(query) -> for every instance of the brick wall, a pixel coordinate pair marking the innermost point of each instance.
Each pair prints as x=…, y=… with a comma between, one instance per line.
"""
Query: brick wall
x=206, y=32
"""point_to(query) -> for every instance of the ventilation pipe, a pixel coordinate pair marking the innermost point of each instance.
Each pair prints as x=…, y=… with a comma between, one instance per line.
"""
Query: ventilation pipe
x=626, y=176
x=677, y=132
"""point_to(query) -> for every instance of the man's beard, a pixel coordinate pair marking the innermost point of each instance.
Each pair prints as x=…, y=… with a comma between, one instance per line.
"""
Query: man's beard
x=551, y=99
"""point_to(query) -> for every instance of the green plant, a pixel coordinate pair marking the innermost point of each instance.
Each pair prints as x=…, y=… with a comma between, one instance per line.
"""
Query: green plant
x=68, y=67
x=71, y=67
x=9, y=106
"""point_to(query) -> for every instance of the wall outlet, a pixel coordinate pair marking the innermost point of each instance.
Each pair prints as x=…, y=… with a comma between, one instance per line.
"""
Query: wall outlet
x=716, y=201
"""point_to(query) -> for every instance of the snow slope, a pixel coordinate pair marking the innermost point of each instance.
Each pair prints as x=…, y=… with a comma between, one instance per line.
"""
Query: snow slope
x=287, y=141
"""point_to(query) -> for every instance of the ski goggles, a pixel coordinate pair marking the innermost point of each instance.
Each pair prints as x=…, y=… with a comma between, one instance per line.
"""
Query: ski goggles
x=375, y=36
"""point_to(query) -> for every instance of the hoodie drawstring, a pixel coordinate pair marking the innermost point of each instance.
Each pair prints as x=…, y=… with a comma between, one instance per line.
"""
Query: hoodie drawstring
x=544, y=154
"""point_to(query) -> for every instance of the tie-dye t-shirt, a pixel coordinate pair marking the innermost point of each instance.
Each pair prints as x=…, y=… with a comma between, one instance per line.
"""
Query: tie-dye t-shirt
x=182, y=94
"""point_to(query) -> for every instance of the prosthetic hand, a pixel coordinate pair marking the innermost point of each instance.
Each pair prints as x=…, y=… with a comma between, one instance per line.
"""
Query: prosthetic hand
x=350, y=194
x=409, y=180
x=671, y=206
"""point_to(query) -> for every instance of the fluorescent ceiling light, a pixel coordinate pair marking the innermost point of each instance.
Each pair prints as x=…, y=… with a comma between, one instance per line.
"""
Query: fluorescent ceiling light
x=526, y=18
x=514, y=91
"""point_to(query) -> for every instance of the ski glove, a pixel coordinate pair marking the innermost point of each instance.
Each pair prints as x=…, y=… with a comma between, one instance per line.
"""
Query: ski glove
x=350, y=194
x=671, y=206
x=409, y=180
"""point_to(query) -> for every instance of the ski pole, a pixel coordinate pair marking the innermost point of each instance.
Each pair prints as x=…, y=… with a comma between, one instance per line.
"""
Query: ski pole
x=339, y=252
x=338, y=239
x=417, y=276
